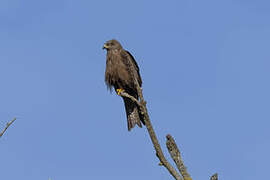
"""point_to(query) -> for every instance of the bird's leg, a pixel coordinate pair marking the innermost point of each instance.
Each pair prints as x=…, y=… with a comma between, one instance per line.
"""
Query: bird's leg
x=119, y=91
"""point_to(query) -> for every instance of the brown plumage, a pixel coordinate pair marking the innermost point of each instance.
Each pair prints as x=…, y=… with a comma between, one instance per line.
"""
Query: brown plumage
x=120, y=68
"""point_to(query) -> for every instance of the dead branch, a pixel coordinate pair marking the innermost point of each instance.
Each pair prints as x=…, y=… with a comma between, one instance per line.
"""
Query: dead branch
x=150, y=129
x=159, y=153
x=155, y=142
x=176, y=156
x=142, y=104
x=152, y=134
x=8, y=124
x=171, y=145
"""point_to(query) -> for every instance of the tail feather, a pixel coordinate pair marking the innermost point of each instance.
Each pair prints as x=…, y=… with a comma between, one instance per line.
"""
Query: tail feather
x=132, y=113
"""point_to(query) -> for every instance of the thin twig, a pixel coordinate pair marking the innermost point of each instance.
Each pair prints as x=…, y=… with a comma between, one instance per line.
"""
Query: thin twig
x=8, y=124
x=124, y=94
x=176, y=156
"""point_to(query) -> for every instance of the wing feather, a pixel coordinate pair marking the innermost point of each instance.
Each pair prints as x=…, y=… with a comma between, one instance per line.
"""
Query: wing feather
x=134, y=64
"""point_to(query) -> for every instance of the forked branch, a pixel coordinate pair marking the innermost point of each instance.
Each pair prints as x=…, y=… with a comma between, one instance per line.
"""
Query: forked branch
x=150, y=129
x=152, y=134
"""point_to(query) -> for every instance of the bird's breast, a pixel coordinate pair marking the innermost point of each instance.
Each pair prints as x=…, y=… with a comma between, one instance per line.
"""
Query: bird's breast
x=115, y=69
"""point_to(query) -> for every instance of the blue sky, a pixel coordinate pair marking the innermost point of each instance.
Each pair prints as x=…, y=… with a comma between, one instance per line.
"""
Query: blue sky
x=205, y=70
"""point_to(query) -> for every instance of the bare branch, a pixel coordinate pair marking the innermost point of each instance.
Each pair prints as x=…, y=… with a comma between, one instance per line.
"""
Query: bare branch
x=157, y=147
x=8, y=124
x=176, y=156
x=152, y=134
x=214, y=177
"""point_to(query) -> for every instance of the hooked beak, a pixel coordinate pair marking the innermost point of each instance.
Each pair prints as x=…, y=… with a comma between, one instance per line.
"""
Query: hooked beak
x=105, y=46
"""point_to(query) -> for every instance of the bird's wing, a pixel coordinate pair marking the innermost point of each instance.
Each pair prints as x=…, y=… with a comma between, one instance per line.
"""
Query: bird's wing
x=133, y=61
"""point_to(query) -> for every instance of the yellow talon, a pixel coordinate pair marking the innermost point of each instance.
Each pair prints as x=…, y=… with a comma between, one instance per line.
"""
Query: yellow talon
x=119, y=91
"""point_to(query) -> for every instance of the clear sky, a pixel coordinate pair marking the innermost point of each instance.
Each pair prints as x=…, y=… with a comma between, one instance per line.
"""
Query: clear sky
x=205, y=67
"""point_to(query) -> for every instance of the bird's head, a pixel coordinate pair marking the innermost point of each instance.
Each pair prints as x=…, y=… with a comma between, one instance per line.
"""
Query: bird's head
x=111, y=45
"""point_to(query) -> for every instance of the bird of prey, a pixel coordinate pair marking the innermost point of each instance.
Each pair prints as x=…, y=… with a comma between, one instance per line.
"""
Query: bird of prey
x=122, y=72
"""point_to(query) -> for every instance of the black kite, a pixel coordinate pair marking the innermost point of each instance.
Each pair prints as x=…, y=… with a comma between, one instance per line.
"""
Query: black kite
x=120, y=69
